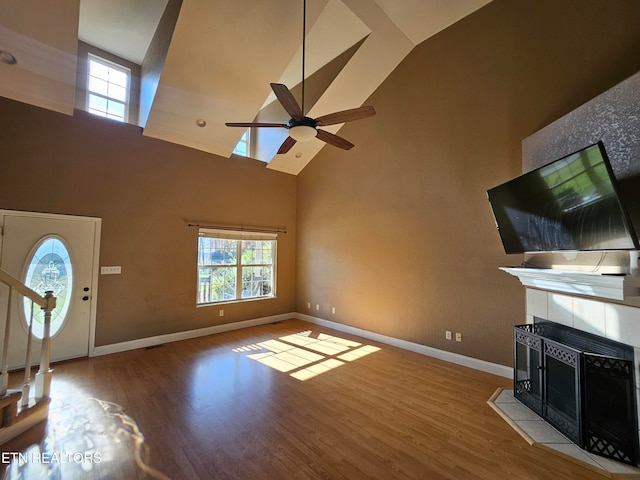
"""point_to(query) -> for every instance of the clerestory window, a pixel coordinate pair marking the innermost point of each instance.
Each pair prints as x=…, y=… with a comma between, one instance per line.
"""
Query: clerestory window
x=242, y=148
x=108, y=86
x=235, y=266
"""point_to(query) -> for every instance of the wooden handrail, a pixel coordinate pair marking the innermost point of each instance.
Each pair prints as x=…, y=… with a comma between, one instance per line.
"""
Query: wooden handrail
x=22, y=289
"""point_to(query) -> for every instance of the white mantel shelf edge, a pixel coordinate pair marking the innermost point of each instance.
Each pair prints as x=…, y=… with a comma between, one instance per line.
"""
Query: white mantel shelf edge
x=625, y=288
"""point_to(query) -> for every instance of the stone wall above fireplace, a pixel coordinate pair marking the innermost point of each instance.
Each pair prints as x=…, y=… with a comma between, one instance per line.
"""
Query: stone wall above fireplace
x=612, y=117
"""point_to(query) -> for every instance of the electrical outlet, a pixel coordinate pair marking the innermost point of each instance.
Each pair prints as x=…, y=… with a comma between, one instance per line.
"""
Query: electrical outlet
x=221, y=313
x=317, y=306
x=333, y=309
x=447, y=334
x=308, y=304
x=458, y=337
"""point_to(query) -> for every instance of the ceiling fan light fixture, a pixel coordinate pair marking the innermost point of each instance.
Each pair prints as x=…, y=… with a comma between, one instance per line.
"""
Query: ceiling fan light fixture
x=300, y=127
x=302, y=133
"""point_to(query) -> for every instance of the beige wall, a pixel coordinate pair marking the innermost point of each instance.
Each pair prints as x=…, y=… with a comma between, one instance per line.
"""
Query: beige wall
x=145, y=191
x=396, y=234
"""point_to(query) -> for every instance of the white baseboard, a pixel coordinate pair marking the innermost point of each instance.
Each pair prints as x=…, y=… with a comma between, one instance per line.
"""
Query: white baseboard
x=494, y=368
x=456, y=358
x=174, y=337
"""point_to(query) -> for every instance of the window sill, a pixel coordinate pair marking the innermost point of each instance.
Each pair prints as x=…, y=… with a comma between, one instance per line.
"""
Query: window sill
x=228, y=302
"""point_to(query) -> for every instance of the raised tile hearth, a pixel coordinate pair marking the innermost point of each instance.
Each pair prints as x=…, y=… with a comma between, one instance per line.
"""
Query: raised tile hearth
x=539, y=433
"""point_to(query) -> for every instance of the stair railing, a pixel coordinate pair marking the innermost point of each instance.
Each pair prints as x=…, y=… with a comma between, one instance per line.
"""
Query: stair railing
x=44, y=375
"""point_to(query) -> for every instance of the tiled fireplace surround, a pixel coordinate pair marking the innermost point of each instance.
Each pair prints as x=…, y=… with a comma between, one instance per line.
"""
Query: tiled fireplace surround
x=616, y=321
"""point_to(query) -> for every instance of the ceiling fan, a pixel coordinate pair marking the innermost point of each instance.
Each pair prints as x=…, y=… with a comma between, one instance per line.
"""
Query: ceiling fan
x=302, y=128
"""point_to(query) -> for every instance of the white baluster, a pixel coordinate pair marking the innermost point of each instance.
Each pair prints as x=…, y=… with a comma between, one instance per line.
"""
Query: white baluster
x=4, y=384
x=27, y=365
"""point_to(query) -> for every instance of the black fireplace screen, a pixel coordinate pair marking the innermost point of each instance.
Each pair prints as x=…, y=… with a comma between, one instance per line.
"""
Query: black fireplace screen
x=528, y=368
x=562, y=389
x=610, y=408
x=580, y=383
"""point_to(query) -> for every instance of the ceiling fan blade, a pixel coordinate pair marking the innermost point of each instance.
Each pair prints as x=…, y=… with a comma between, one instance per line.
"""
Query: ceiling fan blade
x=255, y=124
x=334, y=140
x=346, y=115
x=287, y=100
x=286, y=145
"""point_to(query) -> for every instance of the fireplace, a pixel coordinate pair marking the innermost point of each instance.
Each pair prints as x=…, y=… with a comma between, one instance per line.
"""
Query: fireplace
x=605, y=306
x=582, y=384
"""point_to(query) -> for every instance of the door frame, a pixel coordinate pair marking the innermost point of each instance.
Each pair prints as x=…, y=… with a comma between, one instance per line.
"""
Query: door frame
x=95, y=268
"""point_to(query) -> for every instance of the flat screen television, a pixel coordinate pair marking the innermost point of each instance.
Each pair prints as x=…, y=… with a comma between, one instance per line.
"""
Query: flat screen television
x=571, y=204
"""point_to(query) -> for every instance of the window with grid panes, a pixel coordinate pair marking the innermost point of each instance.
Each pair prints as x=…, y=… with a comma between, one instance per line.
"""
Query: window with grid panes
x=107, y=89
x=235, y=266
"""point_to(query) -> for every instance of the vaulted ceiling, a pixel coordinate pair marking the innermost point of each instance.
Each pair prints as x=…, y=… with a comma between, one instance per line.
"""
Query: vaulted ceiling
x=221, y=58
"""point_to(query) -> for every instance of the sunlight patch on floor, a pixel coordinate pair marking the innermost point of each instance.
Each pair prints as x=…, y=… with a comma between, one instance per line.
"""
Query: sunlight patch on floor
x=85, y=438
x=306, y=355
x=358, y=353
x=317, y=369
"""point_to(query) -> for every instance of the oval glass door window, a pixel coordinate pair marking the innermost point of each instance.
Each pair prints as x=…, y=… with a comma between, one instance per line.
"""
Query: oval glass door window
x=49, y=268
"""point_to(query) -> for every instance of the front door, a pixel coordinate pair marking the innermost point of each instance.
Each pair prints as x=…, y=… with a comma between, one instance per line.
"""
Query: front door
x=50, y=252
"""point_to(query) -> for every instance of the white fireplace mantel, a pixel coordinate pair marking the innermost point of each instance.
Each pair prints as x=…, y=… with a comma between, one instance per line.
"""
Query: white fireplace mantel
x=624, y=288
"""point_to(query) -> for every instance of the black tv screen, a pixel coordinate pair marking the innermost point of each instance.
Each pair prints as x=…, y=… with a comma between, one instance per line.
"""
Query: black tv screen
x=571, y=204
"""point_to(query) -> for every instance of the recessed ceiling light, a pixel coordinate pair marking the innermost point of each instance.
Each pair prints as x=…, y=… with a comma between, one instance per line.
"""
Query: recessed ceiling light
x=8, y=58
x=201, y=122
x=298, y=155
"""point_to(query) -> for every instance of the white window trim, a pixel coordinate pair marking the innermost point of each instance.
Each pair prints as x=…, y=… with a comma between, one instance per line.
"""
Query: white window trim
x=239, y=235
x=116, y=66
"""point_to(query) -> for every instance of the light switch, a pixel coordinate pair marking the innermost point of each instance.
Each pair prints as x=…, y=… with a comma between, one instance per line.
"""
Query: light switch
x=111, y=270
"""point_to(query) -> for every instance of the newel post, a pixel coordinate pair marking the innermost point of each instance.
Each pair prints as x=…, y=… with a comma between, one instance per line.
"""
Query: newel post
x=43, y=377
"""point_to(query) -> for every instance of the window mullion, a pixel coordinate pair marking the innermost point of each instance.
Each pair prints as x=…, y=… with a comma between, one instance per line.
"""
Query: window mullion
x=239, y=270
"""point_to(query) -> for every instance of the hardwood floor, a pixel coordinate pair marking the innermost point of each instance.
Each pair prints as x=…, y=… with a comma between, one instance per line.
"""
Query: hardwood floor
x=226, y=406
